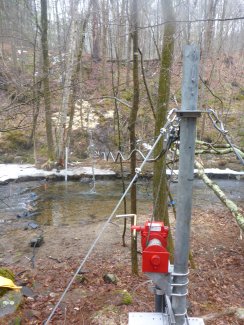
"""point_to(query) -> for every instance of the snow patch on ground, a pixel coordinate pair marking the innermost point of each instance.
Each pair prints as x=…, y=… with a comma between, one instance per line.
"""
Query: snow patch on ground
x=215, y=171
x=15, y=171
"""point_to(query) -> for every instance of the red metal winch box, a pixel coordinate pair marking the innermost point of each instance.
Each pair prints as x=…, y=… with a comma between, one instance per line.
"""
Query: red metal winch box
x=155, y=257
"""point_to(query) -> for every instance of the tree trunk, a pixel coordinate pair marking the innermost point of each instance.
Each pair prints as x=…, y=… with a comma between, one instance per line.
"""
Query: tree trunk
x=59, y=40
x=159, y=177
x=61, y=132
x=132, y=127
x=75, y=81
x=95, y=32
x=105, y=15
x=36, y=88
x=210, y=12
x=128, y=48
x=117, y=119
x=210, y=25
x=46, y=90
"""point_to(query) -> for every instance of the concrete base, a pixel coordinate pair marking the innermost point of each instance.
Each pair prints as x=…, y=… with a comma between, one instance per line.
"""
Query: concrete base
x=157, y=319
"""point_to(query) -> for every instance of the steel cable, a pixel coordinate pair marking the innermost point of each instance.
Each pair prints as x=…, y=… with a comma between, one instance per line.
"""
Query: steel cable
x=172, y=138
x=137, y=172
x=218, y=124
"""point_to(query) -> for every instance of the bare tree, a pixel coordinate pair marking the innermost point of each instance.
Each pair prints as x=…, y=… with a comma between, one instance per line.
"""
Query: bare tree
x=132, y=124
x=95, y=31
x=159, y=170
x=76, y=79
x=62, y=130
x=45, y=69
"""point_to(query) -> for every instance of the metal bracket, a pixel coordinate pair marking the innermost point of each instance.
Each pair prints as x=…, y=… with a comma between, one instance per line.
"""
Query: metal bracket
x=129, y=215
x=158, y=292
x=180, y=274
x=180, y=284
x=170, y=310
x=162, y=281
x=180, y=294
x=187, y=113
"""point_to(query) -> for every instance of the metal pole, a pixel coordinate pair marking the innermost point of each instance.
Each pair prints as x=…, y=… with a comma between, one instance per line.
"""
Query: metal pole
x=158, y=300
x=188, y=115
x=66, y=163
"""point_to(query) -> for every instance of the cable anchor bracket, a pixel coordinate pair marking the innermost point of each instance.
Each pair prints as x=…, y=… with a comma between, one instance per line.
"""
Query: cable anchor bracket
x=187, y=113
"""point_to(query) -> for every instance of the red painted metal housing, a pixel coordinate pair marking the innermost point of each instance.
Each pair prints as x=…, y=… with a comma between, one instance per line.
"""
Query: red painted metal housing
x=155, y=257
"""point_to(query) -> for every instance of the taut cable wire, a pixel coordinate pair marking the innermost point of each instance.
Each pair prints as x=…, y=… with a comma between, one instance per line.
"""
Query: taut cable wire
x=137, y=172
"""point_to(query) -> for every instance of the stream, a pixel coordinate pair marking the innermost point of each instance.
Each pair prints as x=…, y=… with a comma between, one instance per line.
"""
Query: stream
x=60, y=203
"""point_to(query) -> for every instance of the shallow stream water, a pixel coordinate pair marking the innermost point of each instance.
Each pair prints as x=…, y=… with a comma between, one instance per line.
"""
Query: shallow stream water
x=61, y=203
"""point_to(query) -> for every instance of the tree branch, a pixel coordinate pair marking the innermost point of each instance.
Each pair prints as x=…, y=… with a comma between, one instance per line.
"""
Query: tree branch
x=218, y=152
x=145, y=84
x=191, y=21
x=236, y=212
x=114, y=98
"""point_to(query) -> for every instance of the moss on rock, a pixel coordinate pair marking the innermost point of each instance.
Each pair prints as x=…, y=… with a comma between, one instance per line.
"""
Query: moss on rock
x=6, y=273
x=126, y=298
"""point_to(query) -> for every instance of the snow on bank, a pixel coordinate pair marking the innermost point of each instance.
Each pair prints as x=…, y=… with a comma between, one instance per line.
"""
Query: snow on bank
x=14, y=171
x=214, y=171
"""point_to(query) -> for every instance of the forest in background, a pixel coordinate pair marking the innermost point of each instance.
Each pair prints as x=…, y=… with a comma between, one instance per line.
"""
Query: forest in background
x=67, y=63
x=101, y=75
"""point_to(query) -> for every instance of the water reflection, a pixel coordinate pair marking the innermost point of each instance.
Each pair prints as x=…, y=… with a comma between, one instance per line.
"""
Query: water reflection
x=75, y=203
x=63, y=203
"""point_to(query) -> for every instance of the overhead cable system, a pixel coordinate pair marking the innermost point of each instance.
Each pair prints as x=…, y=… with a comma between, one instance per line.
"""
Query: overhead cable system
x=170, y=281
x=172, y=119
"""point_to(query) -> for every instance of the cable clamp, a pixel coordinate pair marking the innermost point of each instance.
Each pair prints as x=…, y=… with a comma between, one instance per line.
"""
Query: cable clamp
x=163, y=130
x=180, y=284
x=138, y=170
x=180, y=274
x=183, y=314
x=173, y=117
x=180, y=294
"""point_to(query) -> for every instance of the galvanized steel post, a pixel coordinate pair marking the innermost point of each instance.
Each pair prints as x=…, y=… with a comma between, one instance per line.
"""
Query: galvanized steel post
x=188, y=115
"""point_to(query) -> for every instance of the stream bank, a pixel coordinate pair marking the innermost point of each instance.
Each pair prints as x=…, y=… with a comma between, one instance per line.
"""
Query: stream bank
x=215, y=283
x=70, y=216
x=101, y=170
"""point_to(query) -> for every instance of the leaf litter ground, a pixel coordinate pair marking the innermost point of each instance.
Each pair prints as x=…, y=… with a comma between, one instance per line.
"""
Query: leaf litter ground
x=216, y=283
